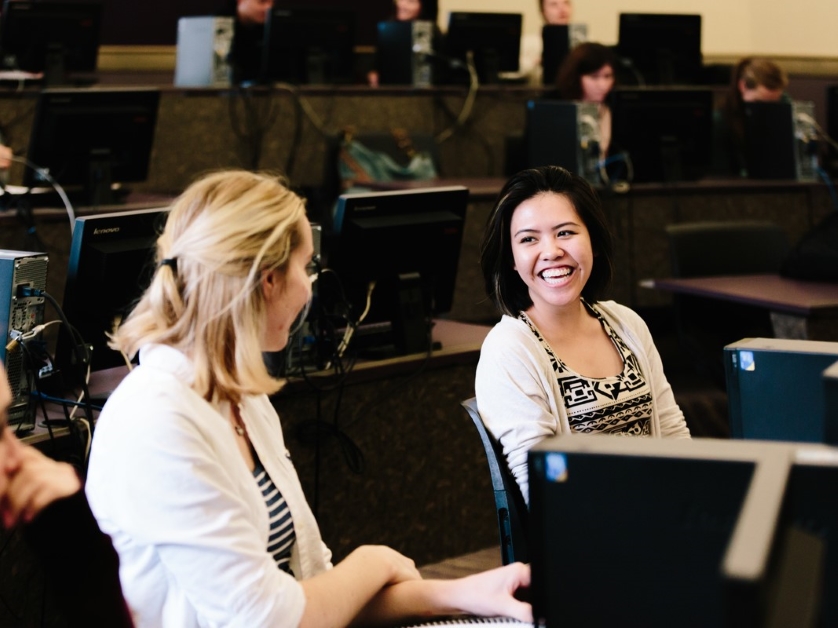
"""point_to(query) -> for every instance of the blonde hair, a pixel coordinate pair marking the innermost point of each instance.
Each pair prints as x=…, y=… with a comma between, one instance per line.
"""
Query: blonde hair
x=222, y=232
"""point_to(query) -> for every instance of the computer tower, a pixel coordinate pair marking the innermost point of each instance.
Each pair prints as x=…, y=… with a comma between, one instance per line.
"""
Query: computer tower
x=566, y=134
x=781, y=140
x=404, y=52
x=20, y=314
x=556, y=41
x=830, y=403
x=203, y=47
x=832, y=128
x=775, y=388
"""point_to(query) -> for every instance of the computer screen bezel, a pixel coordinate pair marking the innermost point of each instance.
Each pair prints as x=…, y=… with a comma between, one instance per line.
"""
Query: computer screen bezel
x=499, y=33
x=92, y=295
x=80, y=32
x=86, y=152
x=639, y=36
x=634, y=136
x=390, y=236
x=284, y=48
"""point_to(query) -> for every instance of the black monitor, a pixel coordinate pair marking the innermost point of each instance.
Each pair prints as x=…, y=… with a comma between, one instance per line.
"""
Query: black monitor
x=664, y=48
x=313, y=45
x=832, y=128
x=666, y=132
x=111, y=264
x=775, y=389
x=56, y=38
x=652, y=532
x=408, y=243
x=91, y=139
x=494, y=39
x=557, y=41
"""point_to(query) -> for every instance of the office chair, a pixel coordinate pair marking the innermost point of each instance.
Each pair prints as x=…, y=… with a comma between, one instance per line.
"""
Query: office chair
x=705, y=249
x=511, y=508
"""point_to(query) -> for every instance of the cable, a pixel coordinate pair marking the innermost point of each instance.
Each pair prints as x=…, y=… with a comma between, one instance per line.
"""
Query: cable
x=829, y=186
x=43, y=173
x=468, y=103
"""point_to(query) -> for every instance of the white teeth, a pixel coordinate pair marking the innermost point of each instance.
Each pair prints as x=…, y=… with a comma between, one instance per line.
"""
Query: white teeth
x=556, y=273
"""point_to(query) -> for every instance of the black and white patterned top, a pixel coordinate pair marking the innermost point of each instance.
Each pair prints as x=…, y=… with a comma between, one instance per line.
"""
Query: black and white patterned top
x=281, y=537
x=621, y=404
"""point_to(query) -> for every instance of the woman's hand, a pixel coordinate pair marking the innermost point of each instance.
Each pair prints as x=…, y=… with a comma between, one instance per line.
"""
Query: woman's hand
x=492, y=593
x=33, y=481
x=5, y=157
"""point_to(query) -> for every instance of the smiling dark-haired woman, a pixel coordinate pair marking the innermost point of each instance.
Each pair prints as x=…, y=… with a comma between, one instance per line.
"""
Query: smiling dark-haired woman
x=561, y=361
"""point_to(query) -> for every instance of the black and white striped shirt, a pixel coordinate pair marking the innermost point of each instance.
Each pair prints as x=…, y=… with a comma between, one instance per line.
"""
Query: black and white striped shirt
x=281, y=537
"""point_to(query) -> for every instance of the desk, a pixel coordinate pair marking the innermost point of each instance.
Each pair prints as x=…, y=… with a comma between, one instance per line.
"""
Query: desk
x=799, y=309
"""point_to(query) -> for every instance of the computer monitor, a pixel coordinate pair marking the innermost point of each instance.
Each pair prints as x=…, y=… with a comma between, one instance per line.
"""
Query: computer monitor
x=494, y=39
x=656, y=532
x=557, y=40
x=666, y=132
x=408, y=243
x=92, y=138
x=111, y=264
x=664, y=48
x=832, y=128
x=313, y=45
x=56, y=38
x=775, y=388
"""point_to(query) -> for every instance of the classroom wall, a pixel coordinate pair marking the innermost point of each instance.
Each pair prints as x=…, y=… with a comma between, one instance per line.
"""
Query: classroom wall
x=807, y=28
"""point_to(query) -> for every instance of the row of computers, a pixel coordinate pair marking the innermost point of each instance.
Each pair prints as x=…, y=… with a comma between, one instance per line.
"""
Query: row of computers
x=304, y=44
x=669, y=134
x=389, y=266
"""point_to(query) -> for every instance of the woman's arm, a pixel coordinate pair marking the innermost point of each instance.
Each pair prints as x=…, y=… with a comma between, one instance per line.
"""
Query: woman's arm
x=488, y=594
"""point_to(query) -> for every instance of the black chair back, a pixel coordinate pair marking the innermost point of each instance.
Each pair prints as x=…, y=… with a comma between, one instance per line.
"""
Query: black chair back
x=512, y=511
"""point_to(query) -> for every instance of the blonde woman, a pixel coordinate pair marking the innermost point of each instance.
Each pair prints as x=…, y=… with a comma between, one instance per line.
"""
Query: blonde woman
x=189, y=473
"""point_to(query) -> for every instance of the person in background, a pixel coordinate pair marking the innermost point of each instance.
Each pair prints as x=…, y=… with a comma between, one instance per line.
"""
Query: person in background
x=556, y=11
x=189, y=472
x=46, y=497
x=752, y=79
x=552, y=12
x=587, y=75
x=246, y=50
x=408, y=11
x=560, y=361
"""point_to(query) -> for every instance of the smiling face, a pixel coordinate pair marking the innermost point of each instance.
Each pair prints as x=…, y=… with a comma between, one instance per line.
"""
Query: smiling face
x=287, y=293
x=552, y=251
x=597, y=85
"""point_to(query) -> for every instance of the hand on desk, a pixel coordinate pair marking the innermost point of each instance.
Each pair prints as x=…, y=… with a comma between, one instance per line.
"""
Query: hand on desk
x=30, y=481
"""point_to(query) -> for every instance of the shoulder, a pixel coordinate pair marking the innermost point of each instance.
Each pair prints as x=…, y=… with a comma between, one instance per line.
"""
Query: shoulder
x=507, y=332
x=622, y=316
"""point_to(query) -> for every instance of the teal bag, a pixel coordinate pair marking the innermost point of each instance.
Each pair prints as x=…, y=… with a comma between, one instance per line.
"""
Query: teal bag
x=359, y=164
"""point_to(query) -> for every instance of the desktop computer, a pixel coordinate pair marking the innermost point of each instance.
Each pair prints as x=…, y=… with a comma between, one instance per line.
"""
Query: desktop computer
x=18, y=315
x=830, y=404
x=557, y=41
x=781, y=140
x=404, y=53
x=566, y=134
x=775, y=388
x=203, y=46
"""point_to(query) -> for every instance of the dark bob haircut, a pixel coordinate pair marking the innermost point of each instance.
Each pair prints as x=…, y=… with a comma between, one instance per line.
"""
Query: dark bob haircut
x=503, y=284
x=586, y=58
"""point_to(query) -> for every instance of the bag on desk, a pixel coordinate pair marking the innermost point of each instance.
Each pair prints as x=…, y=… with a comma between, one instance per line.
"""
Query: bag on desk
x=359, y=164
x=815, y=257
